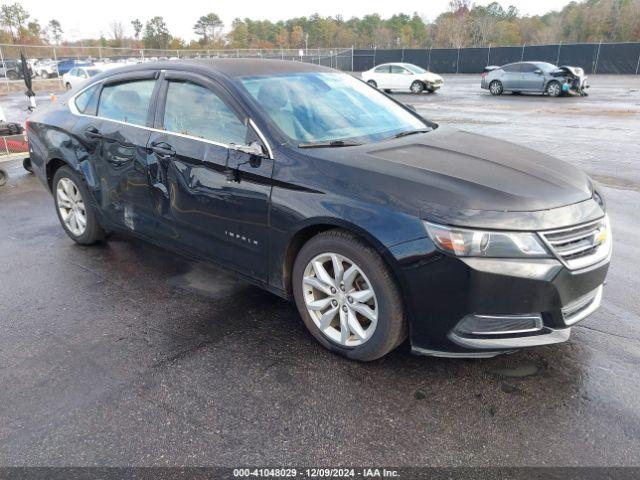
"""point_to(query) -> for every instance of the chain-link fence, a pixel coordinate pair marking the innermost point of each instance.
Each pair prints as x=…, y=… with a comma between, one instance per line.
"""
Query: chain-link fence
x=13, y=145
x=49, y=63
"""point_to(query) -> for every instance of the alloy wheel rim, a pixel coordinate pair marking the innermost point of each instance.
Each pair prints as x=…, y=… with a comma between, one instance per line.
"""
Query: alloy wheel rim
x=495, y=87
x=71, y=206
x=340, y=299
x=415, y=88
x=554, y=89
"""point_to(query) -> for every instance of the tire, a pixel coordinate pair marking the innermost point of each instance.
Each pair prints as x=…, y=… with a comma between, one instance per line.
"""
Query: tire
x=44, y=74
x=26, y=164
x=11, y=75
x=554, y=89
x=92, y=231
x=387, y=90
x=67, y=86
x=372, y=83
x=496, y=88
x=374, y=340
x=417, y=87
x=4, y=177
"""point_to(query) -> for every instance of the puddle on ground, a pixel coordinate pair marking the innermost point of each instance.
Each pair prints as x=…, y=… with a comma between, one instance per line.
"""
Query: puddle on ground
x=520, y=371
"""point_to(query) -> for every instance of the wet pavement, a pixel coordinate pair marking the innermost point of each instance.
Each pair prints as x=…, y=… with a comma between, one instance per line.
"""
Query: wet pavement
x=123, y=354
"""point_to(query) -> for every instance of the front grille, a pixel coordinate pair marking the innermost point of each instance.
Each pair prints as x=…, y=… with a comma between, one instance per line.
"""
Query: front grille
x=582, y=245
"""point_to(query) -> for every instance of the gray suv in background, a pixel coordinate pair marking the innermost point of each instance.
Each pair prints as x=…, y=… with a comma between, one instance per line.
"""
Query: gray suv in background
x=535, y=77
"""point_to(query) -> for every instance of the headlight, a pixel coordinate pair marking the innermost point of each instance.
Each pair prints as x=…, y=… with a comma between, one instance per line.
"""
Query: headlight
x=478, y=243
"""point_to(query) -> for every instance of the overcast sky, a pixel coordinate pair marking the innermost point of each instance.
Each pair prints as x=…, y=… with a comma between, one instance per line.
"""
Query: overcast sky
x=89, y=18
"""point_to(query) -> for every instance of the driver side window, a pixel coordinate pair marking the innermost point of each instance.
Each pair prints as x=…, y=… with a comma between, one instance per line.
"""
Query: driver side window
x=196, y=111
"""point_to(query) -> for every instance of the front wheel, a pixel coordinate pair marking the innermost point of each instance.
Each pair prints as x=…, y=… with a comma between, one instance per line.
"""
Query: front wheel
x=73, y=205
x=417, y=87
x=26, y=164
x=372, y=83
x=347, y=296
x=554, y=89
x=68, y=86
x=496, y=88
x=44, y=74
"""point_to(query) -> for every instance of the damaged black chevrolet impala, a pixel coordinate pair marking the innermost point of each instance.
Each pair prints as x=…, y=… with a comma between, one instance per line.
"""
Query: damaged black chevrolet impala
x=381, y=226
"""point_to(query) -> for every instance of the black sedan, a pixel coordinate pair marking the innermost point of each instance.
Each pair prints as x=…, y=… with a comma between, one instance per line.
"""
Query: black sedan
x=381, y=225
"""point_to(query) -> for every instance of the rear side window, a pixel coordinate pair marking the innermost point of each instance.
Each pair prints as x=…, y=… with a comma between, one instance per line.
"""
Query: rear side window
x=514, y=67
x=199, y=112
x=529, y=67
x=383, y=69
x=87, y=101
x=127, y=102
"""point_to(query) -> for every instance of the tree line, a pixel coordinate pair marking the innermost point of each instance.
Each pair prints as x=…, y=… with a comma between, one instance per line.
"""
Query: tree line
x=463, y=24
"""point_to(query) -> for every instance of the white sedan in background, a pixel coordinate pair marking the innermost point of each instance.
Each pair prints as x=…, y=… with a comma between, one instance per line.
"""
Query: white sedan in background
x=78, y=75
x=402, y=77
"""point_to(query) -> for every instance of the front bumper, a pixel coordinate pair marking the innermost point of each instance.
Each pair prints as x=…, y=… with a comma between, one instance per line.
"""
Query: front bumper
x=441, y=291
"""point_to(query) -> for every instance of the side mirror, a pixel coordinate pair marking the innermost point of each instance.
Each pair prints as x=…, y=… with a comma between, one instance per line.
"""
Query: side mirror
x=410, y=106
x=538, y=71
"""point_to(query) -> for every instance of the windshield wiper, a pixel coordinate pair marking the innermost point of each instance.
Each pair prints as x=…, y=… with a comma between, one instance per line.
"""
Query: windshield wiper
x=411, y=132
x=329, y=143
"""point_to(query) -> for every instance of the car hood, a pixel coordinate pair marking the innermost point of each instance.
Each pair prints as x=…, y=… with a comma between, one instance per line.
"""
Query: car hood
x=430, y=77
x=449, y=170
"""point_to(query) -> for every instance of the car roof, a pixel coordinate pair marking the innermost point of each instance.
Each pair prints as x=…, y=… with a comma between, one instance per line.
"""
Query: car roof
x=228, y=67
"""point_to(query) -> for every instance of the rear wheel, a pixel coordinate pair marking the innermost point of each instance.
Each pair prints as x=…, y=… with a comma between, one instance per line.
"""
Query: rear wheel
x=417, y=87
x=554, y=89
x=3, y=177
x=44, y=74
x=347, y=297
x=77, y=215
x=372, y=83
x=495, y=87
x=68, y=86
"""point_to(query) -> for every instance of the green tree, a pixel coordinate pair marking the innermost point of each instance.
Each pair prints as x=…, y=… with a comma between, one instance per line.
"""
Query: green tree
x=54, y=30
x=156, y=34
x=208, y=27
x=14, y=17
x=137, y=28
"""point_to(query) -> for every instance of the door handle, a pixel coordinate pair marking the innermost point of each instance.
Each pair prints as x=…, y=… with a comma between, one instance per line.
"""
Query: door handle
x=163, y=149
x=93, y=133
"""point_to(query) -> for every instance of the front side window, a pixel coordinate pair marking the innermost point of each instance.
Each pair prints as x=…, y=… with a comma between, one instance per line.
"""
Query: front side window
x=528, y=68
x=514, y=67
x=197, y=111
x=127, y=101
x=398, y=69
x=87, y=101
x=315, y=107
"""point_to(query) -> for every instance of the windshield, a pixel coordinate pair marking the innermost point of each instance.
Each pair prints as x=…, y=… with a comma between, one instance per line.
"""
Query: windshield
x=324, y=107
x=414, y=68
x=547, y=67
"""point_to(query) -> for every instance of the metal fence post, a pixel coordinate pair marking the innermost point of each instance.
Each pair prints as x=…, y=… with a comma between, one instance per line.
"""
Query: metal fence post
x=6, y=147
x=489, y=56
x=402, y=55
x=375, y=47
x=6, y=78
x=522, y=55
x=638, y=65
x=458, y=60
x=55, y=59
x=559, y=47
x=100, y=53
x=429, y=61
x=352, y=58
x=595, y=64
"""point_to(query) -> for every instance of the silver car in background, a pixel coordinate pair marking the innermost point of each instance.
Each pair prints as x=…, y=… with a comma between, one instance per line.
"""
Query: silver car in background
x=535, y=77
